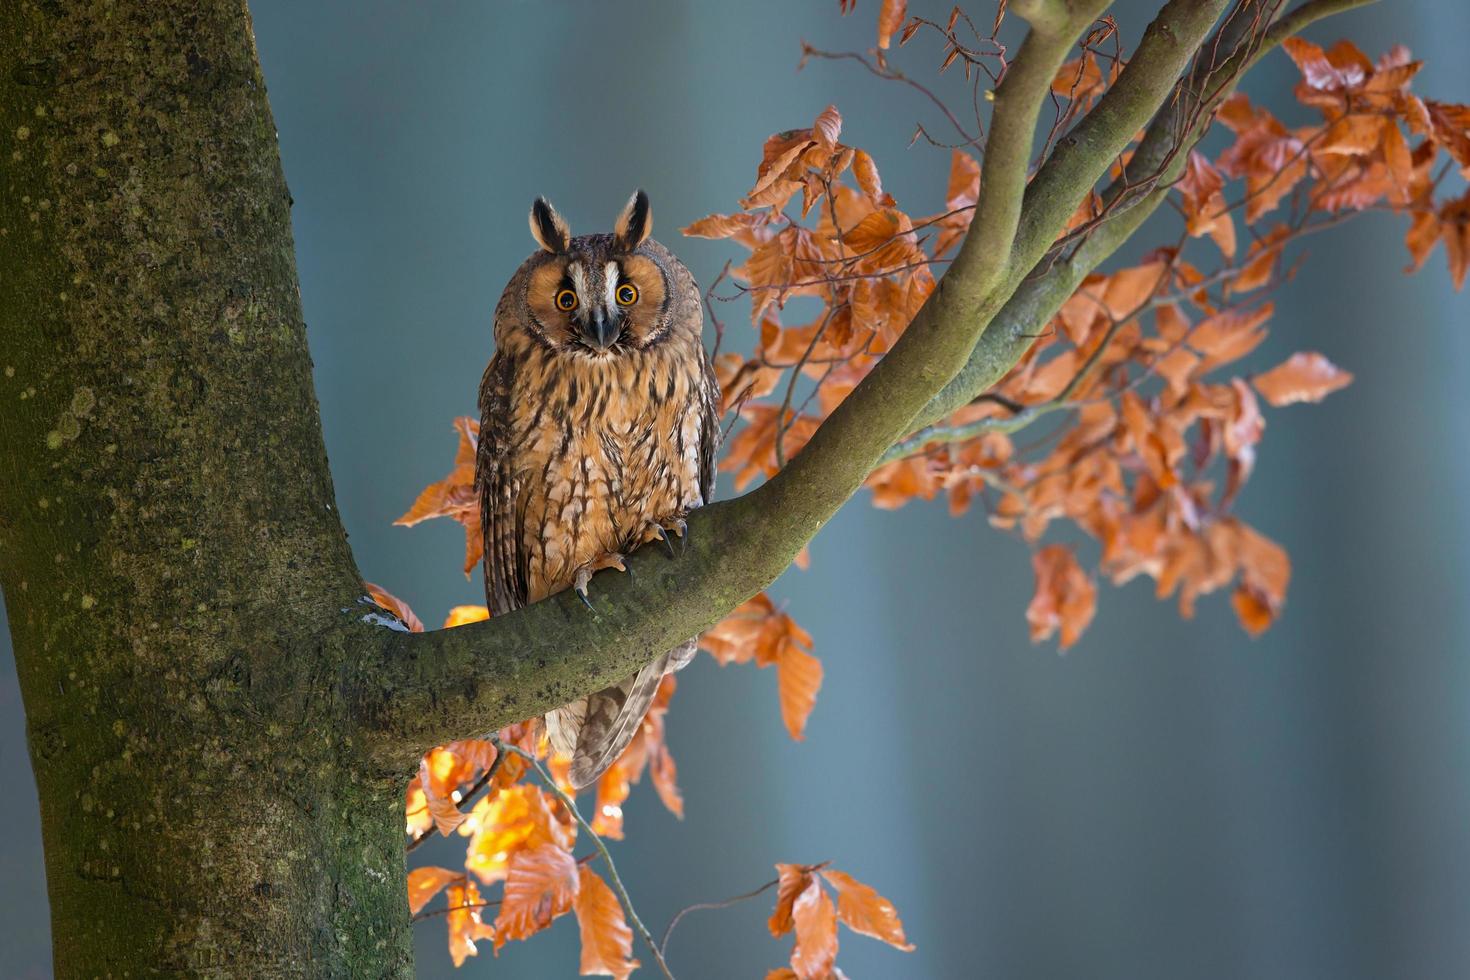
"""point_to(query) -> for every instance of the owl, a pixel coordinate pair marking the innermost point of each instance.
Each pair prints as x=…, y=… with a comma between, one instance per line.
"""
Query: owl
x=599, y=425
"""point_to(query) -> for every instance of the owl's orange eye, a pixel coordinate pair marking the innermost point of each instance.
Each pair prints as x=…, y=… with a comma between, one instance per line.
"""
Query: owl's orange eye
x=566, y=300
x=627, y=294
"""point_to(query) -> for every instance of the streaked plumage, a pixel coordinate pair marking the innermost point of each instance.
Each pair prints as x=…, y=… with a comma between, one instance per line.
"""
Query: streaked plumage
x=598, y=425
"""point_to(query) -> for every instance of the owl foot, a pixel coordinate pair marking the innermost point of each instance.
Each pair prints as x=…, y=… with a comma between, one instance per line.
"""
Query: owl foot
x=659, y=530
x=584, y=574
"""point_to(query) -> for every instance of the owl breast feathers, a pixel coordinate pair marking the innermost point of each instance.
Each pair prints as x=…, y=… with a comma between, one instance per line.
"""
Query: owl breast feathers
x=599, y=425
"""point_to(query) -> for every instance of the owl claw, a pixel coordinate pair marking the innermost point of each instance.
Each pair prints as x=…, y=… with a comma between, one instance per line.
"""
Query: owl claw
x=660, y=530
x=584, y=575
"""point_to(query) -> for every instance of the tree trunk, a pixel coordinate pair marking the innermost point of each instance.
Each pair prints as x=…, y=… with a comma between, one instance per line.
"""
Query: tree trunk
x=180, y=589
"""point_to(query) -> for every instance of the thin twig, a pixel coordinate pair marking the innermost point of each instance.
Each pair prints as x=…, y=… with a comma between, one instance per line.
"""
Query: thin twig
x=807, y=51
x=727, y=903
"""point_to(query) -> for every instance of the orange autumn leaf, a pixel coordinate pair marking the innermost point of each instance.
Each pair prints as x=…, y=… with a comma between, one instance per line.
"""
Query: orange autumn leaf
x=607, y=942
x=752, y=451
x=396, y=606
x=799, y=676
x=827, y=127
x=1265, y=573
x=465, y=921
x=459, y=615
x=866, y=172
x=518, y=818
x=1449, y=224
x=443, y=770
x=454, y=496
x=439, y=773
x=1230, y=334
x=1261, y=263
x=757, y=631
x=959, y=200
x=815, y=919
x=541, y=885
x=748, y=229
x=890, y=18
x=1272, y=159
x=791, y=881
x=424, y=883
x=1205, y=212
x=1065, y=598
x=455, y=492
x=1303, y=377
x=863, y=910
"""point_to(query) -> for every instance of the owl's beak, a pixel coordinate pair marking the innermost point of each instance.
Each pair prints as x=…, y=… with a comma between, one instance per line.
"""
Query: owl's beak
x=601, y=330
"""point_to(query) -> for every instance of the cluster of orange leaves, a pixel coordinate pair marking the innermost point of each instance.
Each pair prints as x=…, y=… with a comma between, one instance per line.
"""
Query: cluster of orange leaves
x=1155, y=446
x=803, y=906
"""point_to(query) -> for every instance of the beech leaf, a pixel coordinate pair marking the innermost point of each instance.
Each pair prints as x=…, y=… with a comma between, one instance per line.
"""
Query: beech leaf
x=1303, y=377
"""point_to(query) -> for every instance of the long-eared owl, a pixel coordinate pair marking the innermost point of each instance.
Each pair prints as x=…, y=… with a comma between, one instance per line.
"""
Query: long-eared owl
x=599, y=425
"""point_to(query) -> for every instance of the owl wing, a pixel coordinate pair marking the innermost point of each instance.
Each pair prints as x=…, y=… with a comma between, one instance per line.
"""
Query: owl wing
x=505, y=569
x=709, y=430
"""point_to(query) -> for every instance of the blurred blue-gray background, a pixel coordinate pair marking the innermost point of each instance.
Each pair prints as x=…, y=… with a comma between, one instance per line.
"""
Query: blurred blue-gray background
x=1170, y=799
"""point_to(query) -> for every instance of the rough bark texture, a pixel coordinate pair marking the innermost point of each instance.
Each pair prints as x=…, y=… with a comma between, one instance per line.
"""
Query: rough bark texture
x=221, y=731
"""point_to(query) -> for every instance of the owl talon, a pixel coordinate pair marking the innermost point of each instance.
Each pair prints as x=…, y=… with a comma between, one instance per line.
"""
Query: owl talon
x=663, y=535
x=584, y=574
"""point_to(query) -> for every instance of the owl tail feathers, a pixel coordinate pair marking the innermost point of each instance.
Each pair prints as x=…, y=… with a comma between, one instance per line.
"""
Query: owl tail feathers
x=612, y=718
x=595, y=730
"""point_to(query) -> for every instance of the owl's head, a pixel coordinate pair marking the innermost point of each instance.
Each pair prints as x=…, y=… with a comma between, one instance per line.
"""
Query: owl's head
x=601, y=295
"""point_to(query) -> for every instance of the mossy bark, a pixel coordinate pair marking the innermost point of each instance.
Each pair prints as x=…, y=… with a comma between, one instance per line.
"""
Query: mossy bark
x=173, y=563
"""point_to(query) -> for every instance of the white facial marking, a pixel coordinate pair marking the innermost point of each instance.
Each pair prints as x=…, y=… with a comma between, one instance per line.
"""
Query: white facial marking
x=579, y=286
x=610, y=285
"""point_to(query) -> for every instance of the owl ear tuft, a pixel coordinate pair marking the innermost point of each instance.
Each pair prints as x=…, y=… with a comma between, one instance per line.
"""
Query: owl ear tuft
x=549, y=228
x=635, y=222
